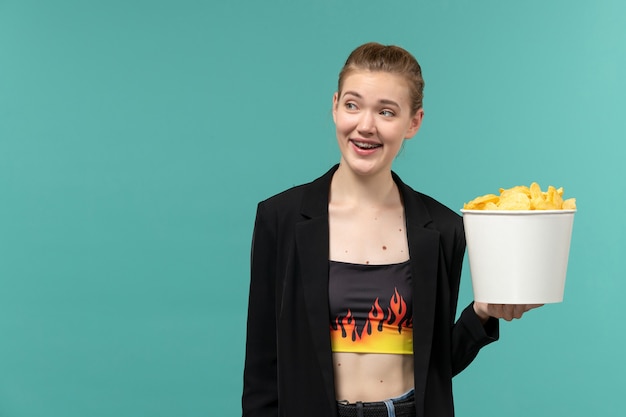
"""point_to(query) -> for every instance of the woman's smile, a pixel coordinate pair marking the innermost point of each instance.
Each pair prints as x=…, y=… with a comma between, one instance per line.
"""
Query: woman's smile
x=365, y=147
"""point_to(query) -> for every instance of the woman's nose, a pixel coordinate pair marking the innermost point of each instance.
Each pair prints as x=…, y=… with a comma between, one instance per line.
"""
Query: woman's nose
x=366, y=123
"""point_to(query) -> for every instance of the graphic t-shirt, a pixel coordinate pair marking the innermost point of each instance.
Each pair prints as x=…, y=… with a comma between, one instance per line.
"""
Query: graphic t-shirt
x=371, y=308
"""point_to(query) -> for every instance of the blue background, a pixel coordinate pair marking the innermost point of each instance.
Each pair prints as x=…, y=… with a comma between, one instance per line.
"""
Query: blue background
x=136, y=138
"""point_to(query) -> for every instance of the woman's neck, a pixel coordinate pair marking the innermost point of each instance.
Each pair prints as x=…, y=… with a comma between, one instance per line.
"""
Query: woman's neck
x=373, y=190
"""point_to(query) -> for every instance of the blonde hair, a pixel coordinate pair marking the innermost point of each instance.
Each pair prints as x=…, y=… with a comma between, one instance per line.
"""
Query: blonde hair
x=373, y=56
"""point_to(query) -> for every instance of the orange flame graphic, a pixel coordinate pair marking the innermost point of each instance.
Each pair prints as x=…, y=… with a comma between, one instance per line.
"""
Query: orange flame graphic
x=380, y=333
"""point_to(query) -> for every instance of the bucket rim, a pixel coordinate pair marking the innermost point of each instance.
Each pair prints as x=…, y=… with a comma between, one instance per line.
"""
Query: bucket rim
x=517, y=212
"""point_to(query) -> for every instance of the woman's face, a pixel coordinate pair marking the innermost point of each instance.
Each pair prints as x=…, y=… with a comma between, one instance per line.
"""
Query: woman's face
x=373, y=117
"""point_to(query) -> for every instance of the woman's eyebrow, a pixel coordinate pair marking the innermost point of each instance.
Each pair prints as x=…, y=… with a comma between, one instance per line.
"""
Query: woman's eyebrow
x=352, y=93
x=387, y=101
x=381, y=101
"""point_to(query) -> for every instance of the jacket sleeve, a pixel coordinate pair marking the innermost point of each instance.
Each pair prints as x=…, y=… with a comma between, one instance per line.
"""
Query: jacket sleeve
x=469, y=335
x=260, y=391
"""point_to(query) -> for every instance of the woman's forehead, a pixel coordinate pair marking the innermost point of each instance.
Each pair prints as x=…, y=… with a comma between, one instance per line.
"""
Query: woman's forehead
x=378, y=85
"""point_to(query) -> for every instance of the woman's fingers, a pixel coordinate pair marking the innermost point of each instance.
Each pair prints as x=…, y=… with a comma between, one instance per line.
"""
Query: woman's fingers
x=509, y=312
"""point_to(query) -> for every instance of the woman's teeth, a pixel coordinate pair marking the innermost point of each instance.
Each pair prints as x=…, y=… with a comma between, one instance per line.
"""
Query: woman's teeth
x=365, y=145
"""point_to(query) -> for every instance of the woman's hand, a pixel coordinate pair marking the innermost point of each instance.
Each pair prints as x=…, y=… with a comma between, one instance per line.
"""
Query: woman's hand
x=507, y=312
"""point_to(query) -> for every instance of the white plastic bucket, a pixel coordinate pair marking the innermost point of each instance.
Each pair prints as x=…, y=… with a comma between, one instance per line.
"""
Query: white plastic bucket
x=518, y=257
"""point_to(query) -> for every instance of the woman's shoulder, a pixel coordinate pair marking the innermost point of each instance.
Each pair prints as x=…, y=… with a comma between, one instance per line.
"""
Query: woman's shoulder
x=295, y=197
x=436, y=207
x=428, y=210
x=286, y=198
x=443, y=217
x=429, y=202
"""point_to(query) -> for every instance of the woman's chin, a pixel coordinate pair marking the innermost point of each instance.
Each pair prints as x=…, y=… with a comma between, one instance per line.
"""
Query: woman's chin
x=362, y=167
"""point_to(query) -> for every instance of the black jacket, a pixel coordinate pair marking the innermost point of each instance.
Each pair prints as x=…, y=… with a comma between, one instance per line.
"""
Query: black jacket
x=288, y=368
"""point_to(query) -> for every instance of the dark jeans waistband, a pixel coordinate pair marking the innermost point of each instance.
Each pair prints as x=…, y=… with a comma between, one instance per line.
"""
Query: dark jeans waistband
x=402, y=406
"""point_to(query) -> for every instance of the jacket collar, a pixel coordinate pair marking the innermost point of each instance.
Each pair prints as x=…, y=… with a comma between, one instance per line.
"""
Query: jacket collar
x=315, y=199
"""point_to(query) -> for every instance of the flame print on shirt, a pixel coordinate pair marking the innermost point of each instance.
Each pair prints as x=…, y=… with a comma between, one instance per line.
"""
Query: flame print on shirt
x=387, y=330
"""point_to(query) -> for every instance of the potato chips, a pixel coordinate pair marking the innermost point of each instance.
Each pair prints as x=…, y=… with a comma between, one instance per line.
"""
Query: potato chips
x=523, y=198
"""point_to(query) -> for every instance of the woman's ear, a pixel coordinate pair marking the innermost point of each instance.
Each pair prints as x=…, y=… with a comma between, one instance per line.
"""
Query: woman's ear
x=335, y=100
x=416, y=122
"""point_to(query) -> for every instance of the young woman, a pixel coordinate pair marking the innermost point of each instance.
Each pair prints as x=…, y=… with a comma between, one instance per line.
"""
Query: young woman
x=355, y=276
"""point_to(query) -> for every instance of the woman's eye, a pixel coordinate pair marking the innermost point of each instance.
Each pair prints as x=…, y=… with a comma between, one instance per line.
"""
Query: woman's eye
x=350, y=106
x=387, y=113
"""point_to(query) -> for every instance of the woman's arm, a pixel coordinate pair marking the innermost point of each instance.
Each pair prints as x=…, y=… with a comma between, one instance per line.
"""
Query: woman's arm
x=470, y=333
x=260, y=391
x=478, y=324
